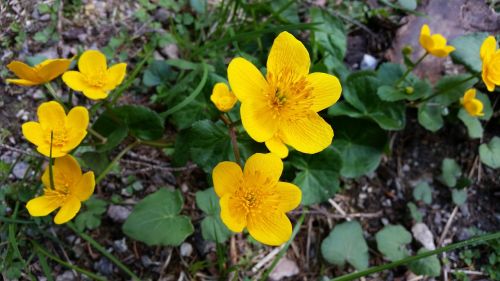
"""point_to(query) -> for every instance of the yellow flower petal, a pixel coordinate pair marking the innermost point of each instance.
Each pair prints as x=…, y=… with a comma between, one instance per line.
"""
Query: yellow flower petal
x=326, y=90
x=21, y=82
x=308, y=135
x=75, y=137
x=489, y=84
x=288, y=55
x=270, y=228
x=494, y=68
x=24, y=71
x=488, y=47
x=438, y=41
x=245, y=80
x=43, y=205
x=95, y=93
x=474, y=107
x=85, y=187
x=78, y=118
x=258, y=120
x=33, y=132
x=276, y=146
x=66, y=172
x=425, y=37
x=68, y=211
x=75, y=80
x=227, y=177
x=115, y=76
x=51, y=115
x=263, y=167
x=288, y=195
x=53, y=68
x=469, y=95
x=232, y=213
x=92, y=62
x=56, y=151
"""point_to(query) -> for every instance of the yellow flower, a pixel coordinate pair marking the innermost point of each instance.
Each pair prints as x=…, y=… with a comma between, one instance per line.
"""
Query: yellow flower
x=255, y=198
x=434, y=44
x=70, y=189
x=95, y=79
x=282, y=108
x=223, y=99
x=39, y=74
x=68, y=131
x=490, y=56
x=472, y=105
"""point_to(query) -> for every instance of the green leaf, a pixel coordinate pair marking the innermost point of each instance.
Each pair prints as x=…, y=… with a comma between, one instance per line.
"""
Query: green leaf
x=360, y=90
x=210, y=144
x=408, y=4
x=91, y=217
x=346, y=243
x=423, y=192
x=490, y=153
x=389, y=73
x=110, y=127
x=287, y=10
x=418, y=90
x=459, y=196
x=474, y=128
x=451, y=88
x=318, y=175
x=200, y=6
x=155, y=220
x=429, y=266
x=330, y=35
x=212, y=228
x=158, y=72
x=467, y=50
x=429, y=116
x=360, y=144
x=142, y=122
x=450, y=172
x=487, y=109
x=414, y=212
x=392, y=241
x=95, y=161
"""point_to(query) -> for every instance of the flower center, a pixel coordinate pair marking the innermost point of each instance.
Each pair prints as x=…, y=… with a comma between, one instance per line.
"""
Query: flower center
x=97, y=79
x=59, y=137
x=289, y=97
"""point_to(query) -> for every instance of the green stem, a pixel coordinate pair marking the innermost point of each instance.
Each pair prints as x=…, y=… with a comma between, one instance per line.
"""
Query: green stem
x=410, y=69
x=447, y=89
x=51, y=162
x=114, y=161
x=53, y=93
x=42, y=251
x=16, y=221
x=97, y=135
x=407, y=260
x=158, y=143
x=103, y=251
x=234, y=139
x=285, y=248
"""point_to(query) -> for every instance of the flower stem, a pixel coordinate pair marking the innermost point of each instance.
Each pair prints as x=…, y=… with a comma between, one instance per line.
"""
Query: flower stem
x=234, y=140
x=285, y=248
x=42, y=251
x=103, y=251
x=51, y=162
x=447, y=89
x=410, y=69
x=158, y=143
x=407, y=260
x=97, y=135
x=115, y=160
x=53, y=93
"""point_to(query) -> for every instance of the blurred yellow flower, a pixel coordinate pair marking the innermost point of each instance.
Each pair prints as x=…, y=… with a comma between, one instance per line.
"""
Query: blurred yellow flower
x=68, y=131
x=95, y=79
x=434, y=44
x=490, y=56
x=70, y=189
x=39, y=74
x=256, y=199
x=223, y=99
x=472, y=105
x=282, y=108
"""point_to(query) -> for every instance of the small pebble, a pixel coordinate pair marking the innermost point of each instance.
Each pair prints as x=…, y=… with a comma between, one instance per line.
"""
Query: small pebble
x=118, y=213
x=186, y=249
x=285, y=268
x=368, y=62
x=20, y=169
x=104, y=266
x=120, y=246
